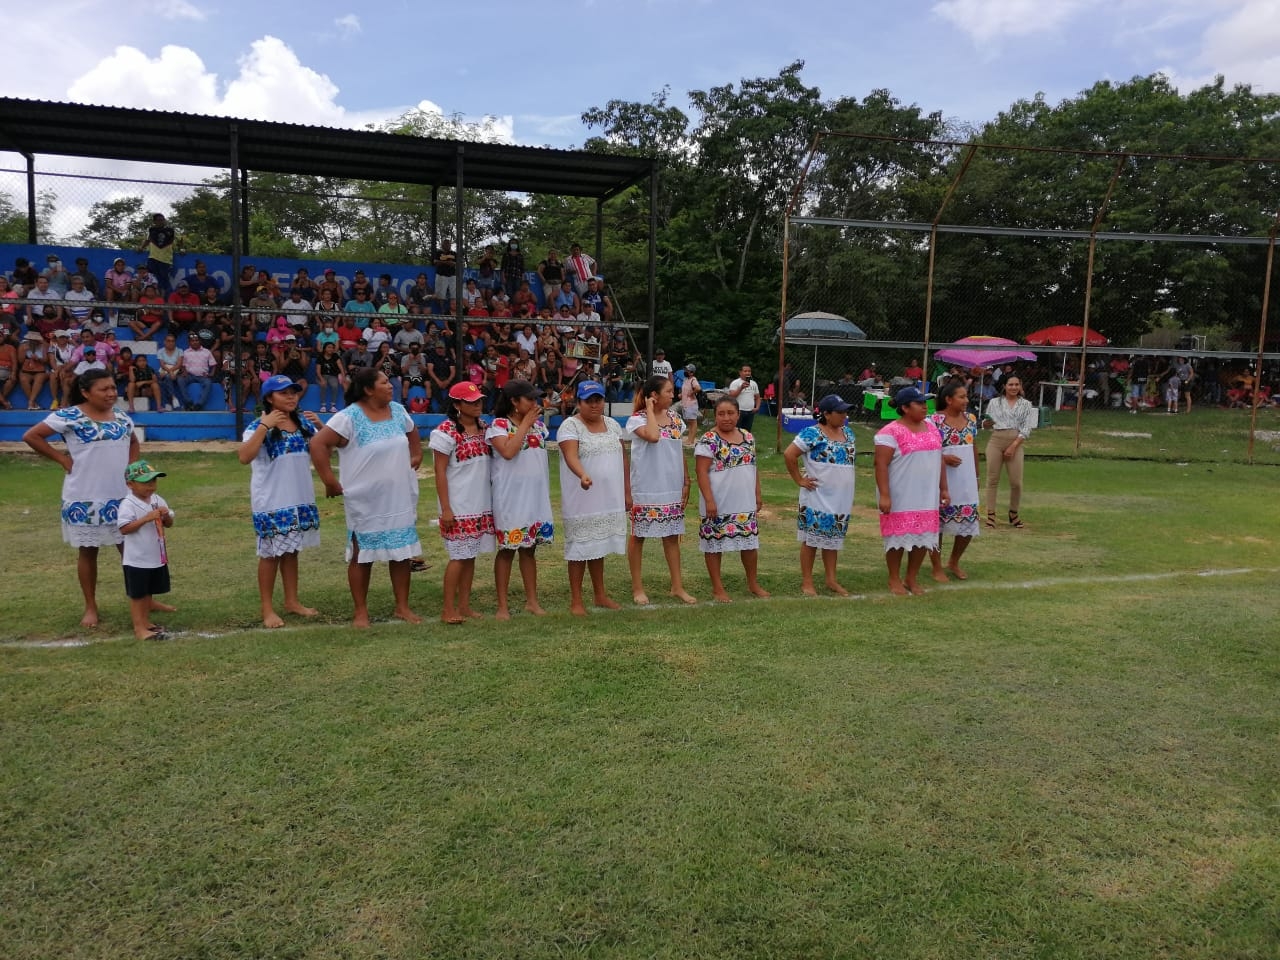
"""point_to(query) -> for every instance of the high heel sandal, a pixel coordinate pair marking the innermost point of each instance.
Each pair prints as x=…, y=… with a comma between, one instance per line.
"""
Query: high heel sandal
x=1014, y=521
x=991, y=519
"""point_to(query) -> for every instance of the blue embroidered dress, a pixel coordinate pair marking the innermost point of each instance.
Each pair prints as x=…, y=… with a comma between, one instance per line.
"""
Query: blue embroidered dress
x=282, y=494
x=823, y=518
x=92, y=491
x=380, y=489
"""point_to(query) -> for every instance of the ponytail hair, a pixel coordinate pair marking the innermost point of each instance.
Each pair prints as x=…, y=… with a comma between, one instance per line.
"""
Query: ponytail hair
x=647, y=389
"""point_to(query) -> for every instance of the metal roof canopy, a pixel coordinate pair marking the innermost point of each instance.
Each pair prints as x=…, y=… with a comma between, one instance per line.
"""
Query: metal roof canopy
x=33, y=127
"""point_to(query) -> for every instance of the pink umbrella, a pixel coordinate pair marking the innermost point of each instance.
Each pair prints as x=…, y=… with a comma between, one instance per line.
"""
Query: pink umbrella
x=983, y=352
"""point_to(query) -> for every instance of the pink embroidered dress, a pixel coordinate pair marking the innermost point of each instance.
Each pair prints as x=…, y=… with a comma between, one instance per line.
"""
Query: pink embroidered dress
x=915, y=473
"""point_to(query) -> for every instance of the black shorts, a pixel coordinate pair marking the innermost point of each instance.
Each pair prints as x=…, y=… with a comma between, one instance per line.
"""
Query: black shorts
x=142, y=582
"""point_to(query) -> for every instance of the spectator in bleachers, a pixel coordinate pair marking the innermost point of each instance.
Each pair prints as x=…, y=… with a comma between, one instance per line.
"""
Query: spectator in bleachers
x=61, y=359
x=263, y=362
x=378, y=333
x=44, y=292
x=420, y=296
x=307, y=288
x=97, y=324
x=473, y=301
x=56, y=274
x=551, y=273
x=601, y=304
x=212, y=315
x=487, y=275
x=89, y=360
x=143, y=276
x=359, y=304
x=120, y=369
x=118, y=283
x=200, y=283
x=567, y=298
x=527, y=340
x=348, y=334
x=361, y=282
x=446, y=263
x=7, y=310
x=184, y=308
x=241, y=361
x=579, y=268
x=359, y=356
x=77, y=301
x=294, y=362
x=296, y=308
x=33, y=366
x=159, y=247
x=326, y=304
x=87, y=275
x=326, y=335
x=142, y=382
x=24, y=274
x=331, y=286
x=383, y=291
x=197, y=374
x=442, y=371
x=262, y=310
x=407, y=334
x=169, y=369
x=392, y=309
x=386, y=361
x=331, y=375
x=513, y=268
x=587, y=317
x=265, y=279
x=247, y=285
x=146, y=323
x=8, y=371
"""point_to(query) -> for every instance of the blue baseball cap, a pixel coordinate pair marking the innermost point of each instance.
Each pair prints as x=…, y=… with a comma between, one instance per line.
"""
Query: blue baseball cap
x=908, y=395
x=278, y=384
x=589, y=388
x=832, y=403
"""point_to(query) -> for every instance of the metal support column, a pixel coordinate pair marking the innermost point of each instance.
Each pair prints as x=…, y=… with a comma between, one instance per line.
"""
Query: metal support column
x=933, y=249
x=237, y=313
x=599, y=252
x=32, y=232
x=460, y=259
x=244, y=214
x=435, y=219
x=1262, y=333
x=653, y=259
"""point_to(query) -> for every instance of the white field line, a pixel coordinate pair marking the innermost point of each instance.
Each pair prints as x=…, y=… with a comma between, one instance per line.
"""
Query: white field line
x=954, y=585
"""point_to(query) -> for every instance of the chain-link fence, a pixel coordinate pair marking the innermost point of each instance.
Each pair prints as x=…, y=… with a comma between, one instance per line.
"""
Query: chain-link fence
x=923, y=244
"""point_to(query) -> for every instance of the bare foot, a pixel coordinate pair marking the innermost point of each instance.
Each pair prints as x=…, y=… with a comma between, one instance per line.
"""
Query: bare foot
x=759, y=591
x=272, y=621
x=683, y=596
x=835, y=588
x=721, y=597
x=503, y=614
x=407, y=615
x=941, y=576
x=360, y=621
x=577, y=609
x=640, y=599
x=157, y=605
x=301, y=611
x=916, y=589
x=536, y=610
x=608, y=603
x=808, y=590
x=473, y=614
x=959, y=574
x=90, y=618
x=897, y=589
x=452, y=619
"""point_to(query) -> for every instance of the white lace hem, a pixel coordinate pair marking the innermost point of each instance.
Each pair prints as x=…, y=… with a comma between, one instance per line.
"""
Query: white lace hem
x=967, y=528
x=729, y=545
x=470, y=548
x=286, y=543
x=98, y=535
x=646, y=529
x=819, y=541
x=911, y=541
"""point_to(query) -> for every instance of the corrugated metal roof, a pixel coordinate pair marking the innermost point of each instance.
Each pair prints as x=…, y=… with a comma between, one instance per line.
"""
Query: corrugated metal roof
x=117, y=133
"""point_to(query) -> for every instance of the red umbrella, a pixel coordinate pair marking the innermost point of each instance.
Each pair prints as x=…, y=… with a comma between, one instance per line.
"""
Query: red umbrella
x=1065, y=335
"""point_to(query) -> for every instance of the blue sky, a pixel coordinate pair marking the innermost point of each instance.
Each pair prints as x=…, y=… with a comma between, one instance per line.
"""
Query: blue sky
x=535, y=67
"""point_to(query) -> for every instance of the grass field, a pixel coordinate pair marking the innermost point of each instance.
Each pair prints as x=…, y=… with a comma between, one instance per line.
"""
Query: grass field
x=1073, y=754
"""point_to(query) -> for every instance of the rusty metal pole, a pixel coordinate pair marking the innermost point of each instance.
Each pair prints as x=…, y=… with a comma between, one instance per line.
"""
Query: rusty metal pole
x=786, y=276
x=933, y=248
x=1262, y=334
x=1088, y=299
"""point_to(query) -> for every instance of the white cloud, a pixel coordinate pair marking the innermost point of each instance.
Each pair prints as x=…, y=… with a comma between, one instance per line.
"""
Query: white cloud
x=179, y=10
x=348, y=24
x=988, y=20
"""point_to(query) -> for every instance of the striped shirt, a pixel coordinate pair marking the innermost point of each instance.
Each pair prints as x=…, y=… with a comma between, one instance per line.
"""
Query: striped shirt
x=1020, y=415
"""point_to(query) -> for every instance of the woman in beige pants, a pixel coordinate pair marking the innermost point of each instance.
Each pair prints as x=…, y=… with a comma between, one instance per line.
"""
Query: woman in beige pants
x=1011, y=418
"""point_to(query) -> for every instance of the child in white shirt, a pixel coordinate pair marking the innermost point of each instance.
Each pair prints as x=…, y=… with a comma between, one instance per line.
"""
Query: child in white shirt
x=142, y=518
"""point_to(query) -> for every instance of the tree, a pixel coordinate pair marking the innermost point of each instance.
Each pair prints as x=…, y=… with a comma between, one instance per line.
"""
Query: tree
x=115, y=224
